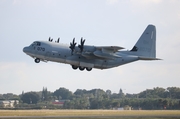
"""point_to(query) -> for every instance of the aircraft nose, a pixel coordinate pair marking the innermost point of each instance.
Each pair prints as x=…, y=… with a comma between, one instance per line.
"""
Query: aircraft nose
x=25, y=49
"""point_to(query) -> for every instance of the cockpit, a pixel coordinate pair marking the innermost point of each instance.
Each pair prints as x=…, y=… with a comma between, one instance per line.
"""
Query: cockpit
x=36, y=43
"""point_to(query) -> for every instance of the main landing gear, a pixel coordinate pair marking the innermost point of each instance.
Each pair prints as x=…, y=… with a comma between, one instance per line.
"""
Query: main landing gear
x=81, y=68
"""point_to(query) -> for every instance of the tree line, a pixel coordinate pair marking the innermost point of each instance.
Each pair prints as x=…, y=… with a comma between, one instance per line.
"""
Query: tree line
x=149, y=99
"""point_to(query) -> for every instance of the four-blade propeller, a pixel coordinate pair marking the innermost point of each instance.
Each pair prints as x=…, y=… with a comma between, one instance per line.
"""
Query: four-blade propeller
x=81, y=46
x=72, y=46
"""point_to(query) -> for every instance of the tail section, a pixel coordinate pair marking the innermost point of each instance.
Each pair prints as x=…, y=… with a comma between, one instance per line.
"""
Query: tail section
x=145, y=47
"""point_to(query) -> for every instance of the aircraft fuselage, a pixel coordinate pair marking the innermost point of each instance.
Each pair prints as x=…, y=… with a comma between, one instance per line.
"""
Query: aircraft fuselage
x=88, y=57
x=57, y=52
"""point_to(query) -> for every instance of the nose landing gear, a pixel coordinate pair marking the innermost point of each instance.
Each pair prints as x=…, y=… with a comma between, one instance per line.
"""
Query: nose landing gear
x=37, y=60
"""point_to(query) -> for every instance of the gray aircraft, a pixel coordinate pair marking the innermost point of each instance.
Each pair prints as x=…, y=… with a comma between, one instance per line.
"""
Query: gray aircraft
x=88, y=57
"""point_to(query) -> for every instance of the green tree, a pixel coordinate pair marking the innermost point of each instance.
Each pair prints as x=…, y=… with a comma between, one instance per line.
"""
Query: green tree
x=80, y=92
x=158, y=92
x=94, y=104
x=30, y=98
x=174, y=92
x=116, y=104
x=108, y=92
x=69, y=105
x=8, y=96
x=121, y=94
x=1, y=97
x=44, y=94
x=63, y=93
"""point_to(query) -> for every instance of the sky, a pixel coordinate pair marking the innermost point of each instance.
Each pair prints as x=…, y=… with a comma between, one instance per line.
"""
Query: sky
x=101, y=23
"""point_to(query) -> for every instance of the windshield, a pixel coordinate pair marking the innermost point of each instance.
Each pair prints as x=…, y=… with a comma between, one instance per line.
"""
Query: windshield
x=36, y=44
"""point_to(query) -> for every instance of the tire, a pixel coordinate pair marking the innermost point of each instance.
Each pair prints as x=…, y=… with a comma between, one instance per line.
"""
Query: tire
x=74, y=67
x=88, y=69
x=37, y=60
x=81, y=68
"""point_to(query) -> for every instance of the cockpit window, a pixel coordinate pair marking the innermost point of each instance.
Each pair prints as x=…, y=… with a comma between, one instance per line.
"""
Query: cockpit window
x=36, y=44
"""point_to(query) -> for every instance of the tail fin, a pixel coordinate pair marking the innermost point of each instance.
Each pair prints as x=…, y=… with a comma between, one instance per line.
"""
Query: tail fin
x=146, y=45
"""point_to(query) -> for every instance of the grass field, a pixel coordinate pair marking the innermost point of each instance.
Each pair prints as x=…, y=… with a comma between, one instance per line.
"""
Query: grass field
x=89, y=114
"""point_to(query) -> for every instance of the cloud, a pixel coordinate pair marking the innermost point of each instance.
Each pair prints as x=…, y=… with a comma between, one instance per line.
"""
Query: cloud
x=16, y=2
x=111, y=2
x=145, y=2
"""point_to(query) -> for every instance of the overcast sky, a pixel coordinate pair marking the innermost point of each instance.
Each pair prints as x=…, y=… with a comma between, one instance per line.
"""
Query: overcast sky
x=100, y=22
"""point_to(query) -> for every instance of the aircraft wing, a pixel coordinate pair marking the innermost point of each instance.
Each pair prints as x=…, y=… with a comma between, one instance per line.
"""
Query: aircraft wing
x=107, y=52
x=103, y=52
x=105, y=55
x=109, y=48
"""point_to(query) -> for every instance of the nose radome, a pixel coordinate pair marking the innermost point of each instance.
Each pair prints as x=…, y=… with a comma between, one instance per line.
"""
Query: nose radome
x=25, y=49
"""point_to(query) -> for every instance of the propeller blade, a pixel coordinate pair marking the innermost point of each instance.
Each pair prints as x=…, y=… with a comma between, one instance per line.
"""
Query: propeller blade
x=81, y=46
x=58, y=40
x=72, y=46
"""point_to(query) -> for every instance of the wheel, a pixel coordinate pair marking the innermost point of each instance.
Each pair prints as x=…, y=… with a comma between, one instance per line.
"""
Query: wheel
x=81, y=68
x=37, y=60
x=74, y=67
x=88, y=69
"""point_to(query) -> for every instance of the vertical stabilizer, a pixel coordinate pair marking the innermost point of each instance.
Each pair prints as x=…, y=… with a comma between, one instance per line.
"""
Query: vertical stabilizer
x=146, y=45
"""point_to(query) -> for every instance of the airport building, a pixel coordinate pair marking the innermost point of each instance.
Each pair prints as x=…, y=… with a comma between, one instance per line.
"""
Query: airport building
x=8, y=103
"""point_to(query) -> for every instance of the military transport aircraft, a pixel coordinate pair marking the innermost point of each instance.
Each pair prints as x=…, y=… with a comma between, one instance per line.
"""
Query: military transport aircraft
x=88, y=57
